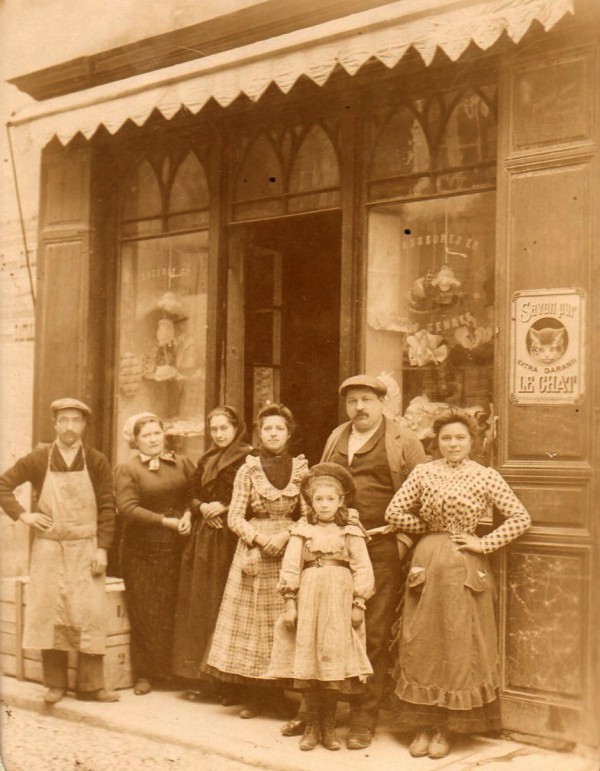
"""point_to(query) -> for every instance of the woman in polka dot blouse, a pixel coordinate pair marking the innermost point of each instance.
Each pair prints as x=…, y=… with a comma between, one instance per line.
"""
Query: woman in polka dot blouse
x=447, y=672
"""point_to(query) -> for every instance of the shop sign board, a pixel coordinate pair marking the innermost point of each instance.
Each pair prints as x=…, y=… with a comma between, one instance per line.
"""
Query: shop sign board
x=547, y=352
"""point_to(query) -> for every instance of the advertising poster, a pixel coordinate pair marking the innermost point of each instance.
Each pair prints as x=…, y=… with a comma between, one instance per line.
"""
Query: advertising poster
x=547, y=346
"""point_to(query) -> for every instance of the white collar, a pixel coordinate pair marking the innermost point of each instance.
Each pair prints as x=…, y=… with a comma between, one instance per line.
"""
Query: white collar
x=363, y=436
x=66, y=449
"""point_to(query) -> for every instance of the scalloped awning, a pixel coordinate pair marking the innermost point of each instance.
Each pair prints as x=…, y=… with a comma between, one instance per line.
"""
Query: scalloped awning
x=385, y=33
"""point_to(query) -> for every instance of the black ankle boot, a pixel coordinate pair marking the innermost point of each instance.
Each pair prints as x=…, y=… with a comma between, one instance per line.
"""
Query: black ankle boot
x=329, y=738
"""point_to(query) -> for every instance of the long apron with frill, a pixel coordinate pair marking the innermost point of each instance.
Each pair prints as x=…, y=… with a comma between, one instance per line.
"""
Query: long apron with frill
x=66, y=604
x=447, y=668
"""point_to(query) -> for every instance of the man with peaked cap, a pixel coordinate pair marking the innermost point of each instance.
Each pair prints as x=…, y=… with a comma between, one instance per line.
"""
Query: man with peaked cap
x=73, y=528
x=379, y=453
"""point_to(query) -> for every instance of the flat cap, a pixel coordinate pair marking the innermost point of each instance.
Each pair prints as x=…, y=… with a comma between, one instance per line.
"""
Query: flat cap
x=364, y=381
x=70, y=404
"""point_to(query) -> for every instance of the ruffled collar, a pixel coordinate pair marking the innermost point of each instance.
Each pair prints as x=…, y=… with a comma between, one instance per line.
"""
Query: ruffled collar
x=266, y=489
x=323, y=540
x=153, y=461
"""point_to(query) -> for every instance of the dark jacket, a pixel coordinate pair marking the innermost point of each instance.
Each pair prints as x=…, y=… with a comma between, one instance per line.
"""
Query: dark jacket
x=32, y=468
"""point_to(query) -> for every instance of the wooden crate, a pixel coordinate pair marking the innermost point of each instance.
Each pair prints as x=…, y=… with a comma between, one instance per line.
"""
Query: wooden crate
x=26, y=664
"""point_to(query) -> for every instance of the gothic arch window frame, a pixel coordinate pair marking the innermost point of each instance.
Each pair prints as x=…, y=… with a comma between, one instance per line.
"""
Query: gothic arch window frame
x=157, y=156
x=387, y=119
x=449, y=110
x=251, y=142
x=437, y=180
x=285, y=141
x=307, y=128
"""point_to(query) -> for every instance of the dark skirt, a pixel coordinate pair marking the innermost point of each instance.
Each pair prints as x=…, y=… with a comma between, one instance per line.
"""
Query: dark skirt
x=204, y=569
x=150, y=559
x=447, y=671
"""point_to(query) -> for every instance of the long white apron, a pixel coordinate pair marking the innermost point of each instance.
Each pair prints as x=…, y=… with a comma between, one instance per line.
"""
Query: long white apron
x=66, y=604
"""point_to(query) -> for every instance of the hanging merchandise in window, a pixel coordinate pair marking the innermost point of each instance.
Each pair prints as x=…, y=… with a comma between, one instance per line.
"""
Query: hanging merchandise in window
x=430, y=315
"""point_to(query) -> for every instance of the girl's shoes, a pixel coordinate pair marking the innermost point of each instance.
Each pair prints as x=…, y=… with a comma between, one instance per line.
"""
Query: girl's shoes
x=142, y=687
x=310, y=737
x=329, y=738
x=439, y=746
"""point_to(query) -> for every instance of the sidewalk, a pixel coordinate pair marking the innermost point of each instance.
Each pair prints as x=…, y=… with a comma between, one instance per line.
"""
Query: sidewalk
x=215, y=730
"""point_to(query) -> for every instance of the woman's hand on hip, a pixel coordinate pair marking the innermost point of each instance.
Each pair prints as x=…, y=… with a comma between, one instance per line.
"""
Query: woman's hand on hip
x=36, y=519
x=467, y=542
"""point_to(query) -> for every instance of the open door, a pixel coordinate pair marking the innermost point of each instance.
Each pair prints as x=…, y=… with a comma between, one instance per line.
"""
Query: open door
x=283, y=337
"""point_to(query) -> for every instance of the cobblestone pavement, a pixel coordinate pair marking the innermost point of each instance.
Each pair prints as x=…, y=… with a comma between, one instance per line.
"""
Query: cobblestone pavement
x=34, y=742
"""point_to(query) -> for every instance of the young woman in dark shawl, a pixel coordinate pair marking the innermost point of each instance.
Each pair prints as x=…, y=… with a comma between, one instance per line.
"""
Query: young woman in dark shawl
x=209, y=551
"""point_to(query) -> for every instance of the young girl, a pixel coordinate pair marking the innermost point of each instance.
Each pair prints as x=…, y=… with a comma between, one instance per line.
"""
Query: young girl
x=326, y=577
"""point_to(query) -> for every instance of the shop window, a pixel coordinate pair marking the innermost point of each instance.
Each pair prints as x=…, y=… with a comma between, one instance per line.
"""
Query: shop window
x=162, y=319
x=430, y=306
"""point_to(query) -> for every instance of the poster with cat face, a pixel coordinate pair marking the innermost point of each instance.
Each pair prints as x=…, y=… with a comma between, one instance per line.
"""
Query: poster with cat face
x=547, y=346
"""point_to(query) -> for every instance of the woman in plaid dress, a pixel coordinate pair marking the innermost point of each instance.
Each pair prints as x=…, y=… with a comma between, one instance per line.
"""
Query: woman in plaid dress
x=266, y=498
x=447, y=672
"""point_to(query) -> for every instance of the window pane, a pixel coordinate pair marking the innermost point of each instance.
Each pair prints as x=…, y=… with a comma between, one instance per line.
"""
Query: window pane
x=430, y=305
x=162, y=337
x=142, y=196
x=190, y=187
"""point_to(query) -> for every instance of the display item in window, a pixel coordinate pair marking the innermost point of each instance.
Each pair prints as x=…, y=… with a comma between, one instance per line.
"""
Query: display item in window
x=130, y=374
x=433, y=290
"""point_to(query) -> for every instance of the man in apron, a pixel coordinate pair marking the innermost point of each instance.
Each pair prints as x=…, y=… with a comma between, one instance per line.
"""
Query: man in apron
x=73, y=528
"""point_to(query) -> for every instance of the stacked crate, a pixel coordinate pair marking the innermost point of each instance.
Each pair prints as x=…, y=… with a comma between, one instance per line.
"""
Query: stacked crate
x=27, y=664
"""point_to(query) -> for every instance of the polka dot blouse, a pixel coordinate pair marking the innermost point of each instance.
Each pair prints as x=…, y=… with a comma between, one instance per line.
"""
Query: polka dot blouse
x=453, y=498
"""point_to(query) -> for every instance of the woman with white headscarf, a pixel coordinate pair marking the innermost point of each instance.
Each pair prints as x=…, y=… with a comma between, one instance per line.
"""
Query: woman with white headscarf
x=153, y=492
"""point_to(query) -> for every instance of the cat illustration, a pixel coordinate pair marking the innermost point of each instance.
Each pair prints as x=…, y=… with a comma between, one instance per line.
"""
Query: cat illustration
x=546, y=345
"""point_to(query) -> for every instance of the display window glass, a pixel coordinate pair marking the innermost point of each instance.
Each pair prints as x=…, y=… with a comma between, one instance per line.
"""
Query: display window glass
x=430, y=308
x=162, y=309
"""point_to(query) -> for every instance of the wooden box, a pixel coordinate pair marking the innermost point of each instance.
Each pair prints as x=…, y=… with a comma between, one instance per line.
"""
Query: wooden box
x=27, y=664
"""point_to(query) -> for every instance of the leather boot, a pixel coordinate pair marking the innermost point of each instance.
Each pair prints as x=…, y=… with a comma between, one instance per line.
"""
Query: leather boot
x=329, y=738
x=310, y=737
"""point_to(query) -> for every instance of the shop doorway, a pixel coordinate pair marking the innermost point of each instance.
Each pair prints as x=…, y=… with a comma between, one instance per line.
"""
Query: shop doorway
x=292, y=322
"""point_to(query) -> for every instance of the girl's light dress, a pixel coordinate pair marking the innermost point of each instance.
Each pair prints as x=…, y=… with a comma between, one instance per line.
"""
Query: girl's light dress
x=324, y=647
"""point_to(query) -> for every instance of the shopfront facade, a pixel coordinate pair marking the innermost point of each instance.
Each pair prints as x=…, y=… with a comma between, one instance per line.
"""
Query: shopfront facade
x=433, y=223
